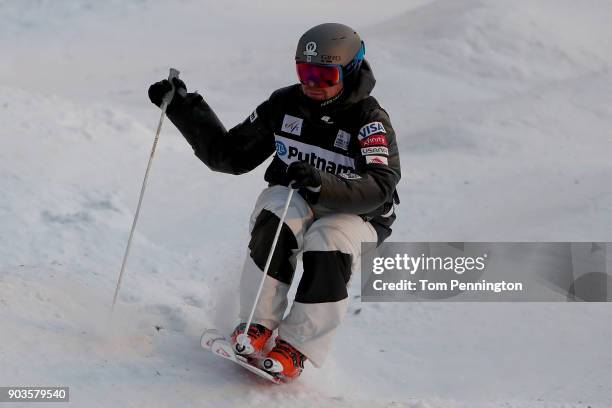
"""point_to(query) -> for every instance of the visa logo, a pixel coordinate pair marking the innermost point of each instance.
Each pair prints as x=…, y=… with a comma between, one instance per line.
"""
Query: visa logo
x=370, y=129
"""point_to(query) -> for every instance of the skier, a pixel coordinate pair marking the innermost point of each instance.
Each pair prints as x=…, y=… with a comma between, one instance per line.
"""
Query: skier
x=334, y=143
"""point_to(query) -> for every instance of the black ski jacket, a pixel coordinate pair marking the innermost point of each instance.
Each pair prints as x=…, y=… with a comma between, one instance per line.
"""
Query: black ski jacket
x=349, y=139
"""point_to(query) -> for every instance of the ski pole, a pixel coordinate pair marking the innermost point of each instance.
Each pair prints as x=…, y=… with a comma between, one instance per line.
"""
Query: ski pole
x=165, y=102
x=243, y=338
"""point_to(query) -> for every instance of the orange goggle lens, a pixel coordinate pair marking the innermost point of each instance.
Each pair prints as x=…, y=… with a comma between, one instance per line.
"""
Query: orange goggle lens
x=320, y=76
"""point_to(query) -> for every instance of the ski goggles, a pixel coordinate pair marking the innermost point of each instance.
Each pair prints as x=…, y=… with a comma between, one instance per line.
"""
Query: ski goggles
x=324, y=75
x=317, y=75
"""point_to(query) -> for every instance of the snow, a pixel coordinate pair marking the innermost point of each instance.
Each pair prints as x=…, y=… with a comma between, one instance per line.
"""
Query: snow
x=503, y=112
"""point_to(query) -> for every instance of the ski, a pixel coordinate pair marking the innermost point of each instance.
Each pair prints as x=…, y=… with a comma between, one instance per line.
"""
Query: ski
x=209, y=336
x=215, y=342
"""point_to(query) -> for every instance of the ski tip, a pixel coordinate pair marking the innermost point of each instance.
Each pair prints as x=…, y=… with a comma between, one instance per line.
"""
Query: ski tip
x=208, y=337
x=217, y=343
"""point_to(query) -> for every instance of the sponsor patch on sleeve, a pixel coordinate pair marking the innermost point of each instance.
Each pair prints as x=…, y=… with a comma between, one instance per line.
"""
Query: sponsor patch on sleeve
x=253, y=116
x=374, y=140
x=376, y=150
x=371, y=129
x=376, y=160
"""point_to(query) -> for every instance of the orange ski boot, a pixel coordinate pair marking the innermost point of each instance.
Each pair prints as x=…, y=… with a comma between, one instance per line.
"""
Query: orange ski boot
x=284, y=360
x=258, y=336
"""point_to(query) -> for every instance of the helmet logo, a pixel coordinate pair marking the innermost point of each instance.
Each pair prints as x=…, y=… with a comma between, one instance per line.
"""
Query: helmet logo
x=311, y=50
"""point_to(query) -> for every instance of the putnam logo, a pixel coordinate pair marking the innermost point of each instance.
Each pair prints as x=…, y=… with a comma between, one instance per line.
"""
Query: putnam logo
x=321, y=163
x=290, y=151
x=377, y=160
x=370, y=129
x=292, y=125
x=281, y=149
x=374, y=140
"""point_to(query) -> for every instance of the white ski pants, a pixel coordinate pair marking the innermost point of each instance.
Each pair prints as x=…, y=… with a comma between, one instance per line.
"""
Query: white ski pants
x=330, y=246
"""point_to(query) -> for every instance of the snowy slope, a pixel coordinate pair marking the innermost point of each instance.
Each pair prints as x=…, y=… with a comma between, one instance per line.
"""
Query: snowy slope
x=503, y=111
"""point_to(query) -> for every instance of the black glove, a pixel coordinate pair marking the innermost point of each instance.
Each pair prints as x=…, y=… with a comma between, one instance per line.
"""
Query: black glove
x=158, y=90
x=303, y=175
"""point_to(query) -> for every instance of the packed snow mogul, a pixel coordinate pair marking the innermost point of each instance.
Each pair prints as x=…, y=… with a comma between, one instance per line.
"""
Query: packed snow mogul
x=332, y=142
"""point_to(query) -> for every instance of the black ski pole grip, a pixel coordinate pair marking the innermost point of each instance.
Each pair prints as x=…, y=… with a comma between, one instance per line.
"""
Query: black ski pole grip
x=174, y=73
